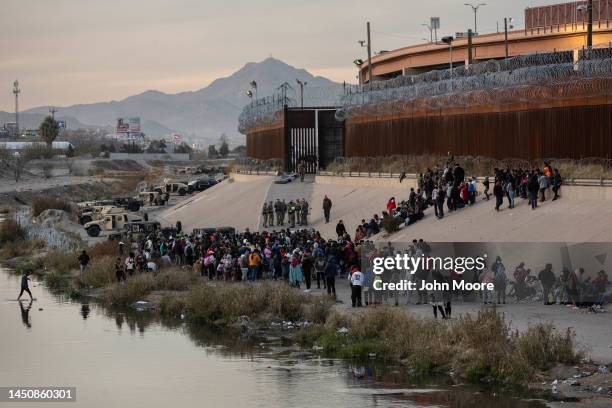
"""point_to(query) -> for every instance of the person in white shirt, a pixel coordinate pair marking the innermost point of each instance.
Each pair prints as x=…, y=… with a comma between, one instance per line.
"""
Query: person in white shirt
x=356, y=280
x=130, y=264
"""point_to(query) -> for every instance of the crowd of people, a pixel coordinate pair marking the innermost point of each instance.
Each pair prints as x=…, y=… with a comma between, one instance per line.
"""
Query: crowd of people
x=301, y=256
x=297, y=256
x=451, y=186
x=533, y=185
x=568, y=287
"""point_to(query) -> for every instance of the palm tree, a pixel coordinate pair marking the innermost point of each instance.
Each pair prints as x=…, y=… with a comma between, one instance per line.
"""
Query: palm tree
x=48, y=130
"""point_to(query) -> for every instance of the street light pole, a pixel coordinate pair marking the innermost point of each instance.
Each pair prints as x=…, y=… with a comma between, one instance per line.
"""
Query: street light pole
x=450, y=48
x=369, y=56
x=449, y=40
x=16, y=92
x=302, y=84
x=475, y=10
x=506, y=35
x=590, y=25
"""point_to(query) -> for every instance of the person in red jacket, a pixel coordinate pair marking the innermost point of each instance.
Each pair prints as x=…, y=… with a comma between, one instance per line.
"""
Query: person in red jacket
x=391, y=205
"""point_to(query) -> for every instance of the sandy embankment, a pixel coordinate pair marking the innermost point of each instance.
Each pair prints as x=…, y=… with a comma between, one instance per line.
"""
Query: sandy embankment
x=239, y=204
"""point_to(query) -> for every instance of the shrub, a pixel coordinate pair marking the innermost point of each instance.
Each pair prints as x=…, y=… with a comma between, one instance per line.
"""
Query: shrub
x=318, y=309
x=175, y=279
x=62, y=262
x=128, y=292
x=57, y=280
x=221, y=303
x=79, y=168
x=33, y=266
x=285, y=301
x=540, y=345
x=14, y=249
x=474, y=347
x=41, y=204
x=11, y=231
x=308, y=335
x=38, y=152
x=172, y=305
x=104, y=248
x=100, y=272
x=47, y=169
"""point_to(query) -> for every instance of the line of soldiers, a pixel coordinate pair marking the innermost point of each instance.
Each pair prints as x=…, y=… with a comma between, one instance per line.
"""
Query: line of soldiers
x=296, y=212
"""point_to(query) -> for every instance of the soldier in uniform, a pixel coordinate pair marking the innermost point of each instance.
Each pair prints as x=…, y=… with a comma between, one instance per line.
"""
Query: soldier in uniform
x=283, y=206
x=270, y=214
x=278, y=212
x=298, y=212
x=264, y=213
x=304, y=212
x=291, y=211
x=302, y=171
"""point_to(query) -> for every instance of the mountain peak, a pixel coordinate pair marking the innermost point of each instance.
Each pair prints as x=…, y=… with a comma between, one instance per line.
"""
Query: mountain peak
x=267, y=62
x=205, y=113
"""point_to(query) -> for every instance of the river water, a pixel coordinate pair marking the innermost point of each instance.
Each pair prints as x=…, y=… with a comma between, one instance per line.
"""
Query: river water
x=130, y=359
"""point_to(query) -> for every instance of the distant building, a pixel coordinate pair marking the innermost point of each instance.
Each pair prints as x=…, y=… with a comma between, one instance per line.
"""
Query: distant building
x=11, y=129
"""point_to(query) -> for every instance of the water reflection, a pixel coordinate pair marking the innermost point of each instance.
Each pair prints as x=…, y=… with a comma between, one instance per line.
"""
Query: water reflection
x=85, y=310
x=25, y=313
x=294, y=365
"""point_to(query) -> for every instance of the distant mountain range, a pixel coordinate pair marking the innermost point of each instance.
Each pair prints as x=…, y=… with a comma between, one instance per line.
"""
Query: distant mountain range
x=201, y=115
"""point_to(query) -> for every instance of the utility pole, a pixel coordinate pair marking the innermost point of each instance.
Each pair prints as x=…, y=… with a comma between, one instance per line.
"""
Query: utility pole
x=369, y=57
x=590, y=25
x=302, y=84
x=449, y=40
x=52, y=111
x=450, y=47
x=16, y=91
x=506, y=35
x=470, y=34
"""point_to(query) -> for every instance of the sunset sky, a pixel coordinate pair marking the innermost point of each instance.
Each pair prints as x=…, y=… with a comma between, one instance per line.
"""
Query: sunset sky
x=66, y=52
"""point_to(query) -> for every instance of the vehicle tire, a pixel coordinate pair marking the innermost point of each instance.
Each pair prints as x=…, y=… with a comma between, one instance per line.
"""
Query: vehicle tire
x=181, y=192
x=85, y=219
x=93, y=231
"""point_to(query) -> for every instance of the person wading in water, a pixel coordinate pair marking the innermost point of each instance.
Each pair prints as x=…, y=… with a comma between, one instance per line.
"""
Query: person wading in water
x=24, y=286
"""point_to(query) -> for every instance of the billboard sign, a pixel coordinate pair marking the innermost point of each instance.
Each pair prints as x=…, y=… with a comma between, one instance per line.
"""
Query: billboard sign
x=61, y=124
x=128, y=125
